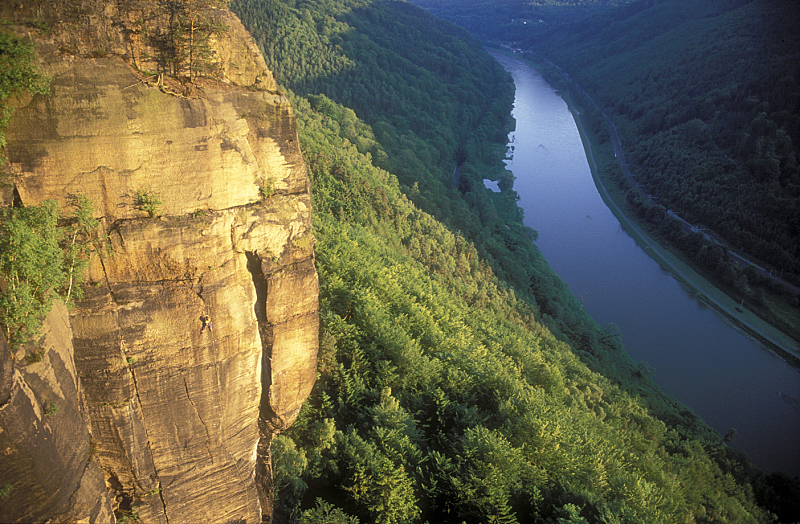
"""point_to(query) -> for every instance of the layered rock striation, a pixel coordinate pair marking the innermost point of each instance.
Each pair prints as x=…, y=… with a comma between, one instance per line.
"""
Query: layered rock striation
x=170, y=420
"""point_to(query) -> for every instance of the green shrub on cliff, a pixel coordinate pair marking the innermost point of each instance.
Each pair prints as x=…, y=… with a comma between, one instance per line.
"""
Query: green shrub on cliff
x=148, y=201
x=30, y=257
x=41, y=259
x=30, y=267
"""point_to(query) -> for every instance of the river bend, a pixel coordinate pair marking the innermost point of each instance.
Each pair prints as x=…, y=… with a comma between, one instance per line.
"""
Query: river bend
x=728, y=379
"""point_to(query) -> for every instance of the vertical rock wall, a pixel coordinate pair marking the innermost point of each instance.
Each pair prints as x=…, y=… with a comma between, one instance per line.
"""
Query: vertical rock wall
x=48, y=466
x=174, y=415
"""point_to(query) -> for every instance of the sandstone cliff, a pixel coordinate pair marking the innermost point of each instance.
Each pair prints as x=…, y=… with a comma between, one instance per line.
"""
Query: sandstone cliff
x=155, y=414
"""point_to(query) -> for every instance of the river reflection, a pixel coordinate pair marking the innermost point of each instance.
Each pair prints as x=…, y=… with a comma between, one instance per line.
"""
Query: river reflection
x=728, y=379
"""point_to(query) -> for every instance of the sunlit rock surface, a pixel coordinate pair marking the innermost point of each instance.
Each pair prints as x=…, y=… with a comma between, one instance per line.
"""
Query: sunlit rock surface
x=170, y=412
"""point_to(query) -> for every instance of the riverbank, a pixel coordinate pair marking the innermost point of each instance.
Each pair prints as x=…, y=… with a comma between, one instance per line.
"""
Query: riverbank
x=742, y=317
x=735, y=313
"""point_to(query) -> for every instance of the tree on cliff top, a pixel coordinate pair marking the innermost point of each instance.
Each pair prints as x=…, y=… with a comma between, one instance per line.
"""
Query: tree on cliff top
x=194, y=31
x=185, y=46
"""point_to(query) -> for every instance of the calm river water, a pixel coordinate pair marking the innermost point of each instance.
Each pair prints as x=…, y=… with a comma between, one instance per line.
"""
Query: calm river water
x=725, y=377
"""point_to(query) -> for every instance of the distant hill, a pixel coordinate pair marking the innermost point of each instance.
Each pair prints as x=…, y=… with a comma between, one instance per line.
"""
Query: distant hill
x=513, y=20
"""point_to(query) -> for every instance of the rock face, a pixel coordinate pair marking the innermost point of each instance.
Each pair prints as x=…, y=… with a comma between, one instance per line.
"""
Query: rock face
x=177, y=417
x=47, y=456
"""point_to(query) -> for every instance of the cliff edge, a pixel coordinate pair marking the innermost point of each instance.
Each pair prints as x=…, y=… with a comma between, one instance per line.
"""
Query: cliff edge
x=160, y=414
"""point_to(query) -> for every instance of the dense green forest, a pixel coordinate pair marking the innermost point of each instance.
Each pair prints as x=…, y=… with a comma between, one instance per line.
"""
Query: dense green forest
x=459, y=380
x=492, y=222
x=437, y=108
x=437, y=103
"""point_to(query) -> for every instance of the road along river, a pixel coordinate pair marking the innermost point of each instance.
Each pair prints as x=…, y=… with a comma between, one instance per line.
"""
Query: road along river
x=724, y=376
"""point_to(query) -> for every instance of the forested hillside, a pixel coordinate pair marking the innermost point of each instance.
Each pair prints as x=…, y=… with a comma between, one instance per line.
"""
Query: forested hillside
x=407, y=143
x=442, y=397
x=446, y=393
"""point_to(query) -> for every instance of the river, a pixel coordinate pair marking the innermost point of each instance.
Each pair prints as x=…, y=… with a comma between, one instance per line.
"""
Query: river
x=728, y=379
